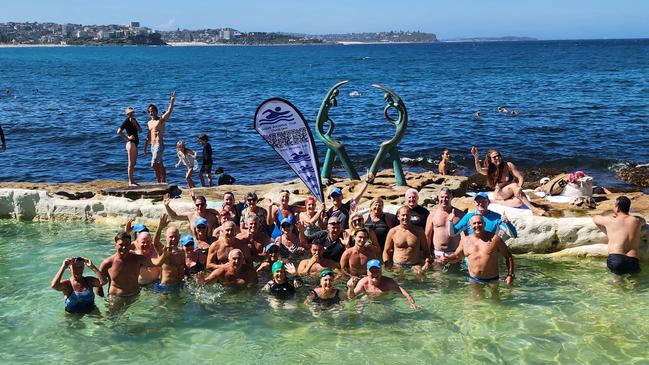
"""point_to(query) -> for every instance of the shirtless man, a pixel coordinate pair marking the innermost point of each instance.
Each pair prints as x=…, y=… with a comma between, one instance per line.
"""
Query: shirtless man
x=173, y=263
x=200, y=211
x=253, y=235
x=442, y=168
x=313, y=266
x=482, y=250
x=439, y=241
x=405, y=245
x=234, y=273
x=376, y=284
x=220, y=249
x=123, y=268
x=155, y=138
x=623, y=231
x=144, y=246
x=354, y=260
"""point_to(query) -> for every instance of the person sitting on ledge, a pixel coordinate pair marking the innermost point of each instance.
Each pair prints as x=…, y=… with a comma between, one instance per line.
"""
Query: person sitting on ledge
x=505, y=179
x=222, y=178
x=493, y=221
x=623, y=232
x=77, y=291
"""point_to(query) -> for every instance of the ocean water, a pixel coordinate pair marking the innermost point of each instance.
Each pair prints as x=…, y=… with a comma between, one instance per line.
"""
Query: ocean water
x=557, y=312
x=582, y=104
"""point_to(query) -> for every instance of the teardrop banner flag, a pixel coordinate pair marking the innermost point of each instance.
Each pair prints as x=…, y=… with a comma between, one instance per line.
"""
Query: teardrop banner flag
x=285, y=129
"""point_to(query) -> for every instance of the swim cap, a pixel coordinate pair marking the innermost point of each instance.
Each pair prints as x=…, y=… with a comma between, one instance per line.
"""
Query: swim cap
x=326, y=272
x=373, y=263
x=271, y=246
x=185, y=240
x=277, y=265
x=200, y=221
x=140, y=227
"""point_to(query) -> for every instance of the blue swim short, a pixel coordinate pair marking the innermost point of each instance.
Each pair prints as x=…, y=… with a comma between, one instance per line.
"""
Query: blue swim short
x=482, y=281
x=168, y=288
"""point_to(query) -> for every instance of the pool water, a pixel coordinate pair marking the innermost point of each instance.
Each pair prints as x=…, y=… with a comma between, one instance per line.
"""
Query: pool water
x=559, y=311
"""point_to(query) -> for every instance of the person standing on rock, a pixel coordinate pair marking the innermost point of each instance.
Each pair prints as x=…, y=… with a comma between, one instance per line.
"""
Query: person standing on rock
x=132, y=127
x=155, y=138
x=623, y=232
x=440, y=242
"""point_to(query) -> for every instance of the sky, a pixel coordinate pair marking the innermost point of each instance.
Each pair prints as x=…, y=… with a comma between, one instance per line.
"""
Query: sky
x=542, y=19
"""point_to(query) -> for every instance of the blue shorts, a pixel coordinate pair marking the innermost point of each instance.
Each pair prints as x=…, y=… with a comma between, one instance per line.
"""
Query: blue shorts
x=482, y=281
x=168, y=288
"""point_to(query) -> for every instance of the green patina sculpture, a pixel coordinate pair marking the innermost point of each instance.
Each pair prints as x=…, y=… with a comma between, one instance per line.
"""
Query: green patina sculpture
x=390, y=146
x=388, y=149
x=333, y=146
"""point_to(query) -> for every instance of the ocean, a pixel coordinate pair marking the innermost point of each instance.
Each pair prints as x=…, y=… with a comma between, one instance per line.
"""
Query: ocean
x=581, y=104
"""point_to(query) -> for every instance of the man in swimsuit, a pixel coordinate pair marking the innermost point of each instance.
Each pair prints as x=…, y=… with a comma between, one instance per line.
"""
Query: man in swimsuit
x=144, y=246
x=482, y=250
x=341, y=210
x=200, y=211
x=219, y=250
x=494, y=222
x=173, y=264
x=254, y=236
x=123, y=267
x=234, y=273
x=376, y=284
x=155, y=138
x=312, y=267
x=437, y=236
x=623, y=232
x=418, y=214
x=354, y=260
x=405, y=246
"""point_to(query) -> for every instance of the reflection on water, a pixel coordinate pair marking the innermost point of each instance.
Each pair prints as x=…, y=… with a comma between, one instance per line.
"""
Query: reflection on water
x=566, y=311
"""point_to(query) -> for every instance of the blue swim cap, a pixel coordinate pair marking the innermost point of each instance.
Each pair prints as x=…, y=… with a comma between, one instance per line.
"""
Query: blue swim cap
x=185, y=240
x=140, y=227
x=373, y=263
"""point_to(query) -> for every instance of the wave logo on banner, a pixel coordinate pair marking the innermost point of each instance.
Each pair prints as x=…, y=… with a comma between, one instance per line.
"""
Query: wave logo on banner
x=286, y=130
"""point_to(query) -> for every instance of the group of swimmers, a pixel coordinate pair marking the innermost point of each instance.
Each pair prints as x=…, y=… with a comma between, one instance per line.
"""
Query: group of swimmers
x=237, y=244
x=129, y=130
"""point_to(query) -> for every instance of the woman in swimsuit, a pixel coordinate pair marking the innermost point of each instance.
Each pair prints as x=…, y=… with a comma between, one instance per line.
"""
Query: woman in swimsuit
x=253, y=208
x=187, y=157
x=194, y=257
x=379, y=222
x=77, y=291
x=132, y=127
x=326, y=294
x=284, y=210
x=289, y=244
x=505, y=178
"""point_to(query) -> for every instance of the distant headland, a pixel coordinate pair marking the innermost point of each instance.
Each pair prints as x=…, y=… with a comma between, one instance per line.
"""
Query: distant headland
x=56, y=34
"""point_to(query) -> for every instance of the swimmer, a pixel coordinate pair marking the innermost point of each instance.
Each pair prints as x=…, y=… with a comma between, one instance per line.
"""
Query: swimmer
x=477, y=115
x=200, y=211
x=623, y=232
x=502, y=109
x=442, y=168
x=234, y=273
x=143, y=245
x=219, y=251
x=405, y=246
x=290, y=246
x=354, y=261
x=357, y=223
x=253, y=208
x=506, y=180
x=482, y=251
x=155, y=138
x=312, y=267
x=376, y=284
x=271, y=255
x=418, y=214
x=194, y=259
x=280, y=286
x=253, y=235
x=77, y=290
x=2, y=139
x=331, y=240
x=379, y=221
x=132, y=127
x=326, y=294
x=439, y=241
x=494, y=222
x=173, y=268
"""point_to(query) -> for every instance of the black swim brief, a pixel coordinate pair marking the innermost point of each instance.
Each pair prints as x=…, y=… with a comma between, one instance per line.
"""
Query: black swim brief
x=622, y=264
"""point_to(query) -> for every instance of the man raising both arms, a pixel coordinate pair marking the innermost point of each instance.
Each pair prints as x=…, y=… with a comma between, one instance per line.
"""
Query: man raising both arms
x=155, y=138
x=623, y=231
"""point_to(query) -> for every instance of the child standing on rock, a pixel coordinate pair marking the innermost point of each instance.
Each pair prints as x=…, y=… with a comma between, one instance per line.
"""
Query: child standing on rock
x=187, y=157
x=206, y=166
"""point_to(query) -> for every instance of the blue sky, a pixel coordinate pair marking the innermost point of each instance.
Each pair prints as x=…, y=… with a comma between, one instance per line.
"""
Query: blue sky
x=544, y=19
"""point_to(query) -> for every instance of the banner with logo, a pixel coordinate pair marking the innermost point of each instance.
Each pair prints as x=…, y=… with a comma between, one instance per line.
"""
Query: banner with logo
x=286, y=130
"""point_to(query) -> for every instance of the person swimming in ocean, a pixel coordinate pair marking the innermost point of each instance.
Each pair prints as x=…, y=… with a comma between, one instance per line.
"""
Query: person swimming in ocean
x=623, y=232
x=506, y=180
x=482, y=251
x=77, y=290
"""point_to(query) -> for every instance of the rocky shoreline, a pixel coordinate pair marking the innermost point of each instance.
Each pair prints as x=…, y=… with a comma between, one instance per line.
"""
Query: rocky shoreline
x=569, y=230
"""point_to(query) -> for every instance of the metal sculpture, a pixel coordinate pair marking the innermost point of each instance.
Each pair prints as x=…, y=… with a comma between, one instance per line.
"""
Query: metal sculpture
x=334, y=148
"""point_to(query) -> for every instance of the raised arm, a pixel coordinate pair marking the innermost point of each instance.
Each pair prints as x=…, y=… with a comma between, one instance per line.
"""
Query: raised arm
x=366, y=183
x=164, y=220
x=56, y=281
x=476, y=160
x=172, y=214
x=160, y=260
x=100, y=279
x=507, y=225
x=166, y=114
x=462, y=225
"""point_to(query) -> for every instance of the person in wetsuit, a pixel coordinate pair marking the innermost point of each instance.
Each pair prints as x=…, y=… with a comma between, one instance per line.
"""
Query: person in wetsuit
x=77, y=291
x=280, y=286
x=326, y=294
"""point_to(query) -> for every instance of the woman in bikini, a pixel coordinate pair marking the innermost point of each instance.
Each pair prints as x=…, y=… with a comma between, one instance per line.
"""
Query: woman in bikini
x=77, y=290
x=505, y=179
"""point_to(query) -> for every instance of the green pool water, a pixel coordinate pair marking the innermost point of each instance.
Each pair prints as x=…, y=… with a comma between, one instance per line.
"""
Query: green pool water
x=568, y=312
